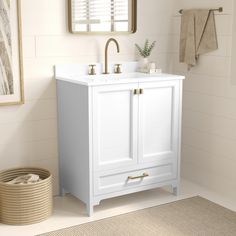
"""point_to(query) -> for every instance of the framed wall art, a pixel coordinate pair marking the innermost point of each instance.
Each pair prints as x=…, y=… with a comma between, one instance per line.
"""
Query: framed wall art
x=11, y=65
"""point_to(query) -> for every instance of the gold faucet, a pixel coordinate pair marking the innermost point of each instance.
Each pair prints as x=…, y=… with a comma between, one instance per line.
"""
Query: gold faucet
x=106, y=50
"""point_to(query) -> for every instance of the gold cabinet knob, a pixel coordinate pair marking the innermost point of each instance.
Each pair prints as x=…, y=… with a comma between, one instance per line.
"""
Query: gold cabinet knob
x=136, y=92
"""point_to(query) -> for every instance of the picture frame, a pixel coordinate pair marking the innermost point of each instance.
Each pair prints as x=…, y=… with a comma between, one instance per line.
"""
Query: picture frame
x=11, y=58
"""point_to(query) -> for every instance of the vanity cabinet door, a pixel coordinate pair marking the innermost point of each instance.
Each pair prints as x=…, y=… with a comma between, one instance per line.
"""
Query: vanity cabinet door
x=115, y=114
x=159, y=106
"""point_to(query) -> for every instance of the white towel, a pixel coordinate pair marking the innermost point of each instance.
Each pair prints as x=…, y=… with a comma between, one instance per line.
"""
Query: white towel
x=198, y=35
x=25, y=179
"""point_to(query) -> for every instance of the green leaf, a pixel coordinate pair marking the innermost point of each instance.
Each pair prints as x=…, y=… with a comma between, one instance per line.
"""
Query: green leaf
x=147, y=49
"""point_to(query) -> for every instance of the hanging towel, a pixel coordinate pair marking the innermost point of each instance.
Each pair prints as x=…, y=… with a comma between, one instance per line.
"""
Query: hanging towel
x=198, y=35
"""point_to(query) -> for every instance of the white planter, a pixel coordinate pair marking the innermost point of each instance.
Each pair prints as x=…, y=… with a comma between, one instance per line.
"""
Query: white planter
x=143, y=63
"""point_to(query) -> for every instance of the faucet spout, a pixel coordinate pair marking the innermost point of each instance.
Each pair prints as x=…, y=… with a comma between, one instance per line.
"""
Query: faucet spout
x=106, y=53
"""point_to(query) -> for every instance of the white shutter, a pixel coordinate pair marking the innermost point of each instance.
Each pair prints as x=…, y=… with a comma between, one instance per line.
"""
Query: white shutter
x=107, y=12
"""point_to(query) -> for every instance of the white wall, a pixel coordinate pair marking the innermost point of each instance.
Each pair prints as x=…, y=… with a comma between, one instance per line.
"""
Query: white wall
x=209, y=116
x=29, y=132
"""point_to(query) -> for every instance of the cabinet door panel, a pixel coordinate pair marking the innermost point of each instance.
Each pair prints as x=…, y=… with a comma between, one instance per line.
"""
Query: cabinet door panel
x=158, y=121
x=115, y=127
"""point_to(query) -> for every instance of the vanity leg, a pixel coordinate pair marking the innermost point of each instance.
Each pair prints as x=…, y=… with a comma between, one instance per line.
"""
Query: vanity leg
x=175, y=189
x=89, y=208
x=62, y=192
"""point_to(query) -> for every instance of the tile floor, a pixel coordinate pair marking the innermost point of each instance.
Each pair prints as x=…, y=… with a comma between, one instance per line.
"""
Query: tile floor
x=69, y=211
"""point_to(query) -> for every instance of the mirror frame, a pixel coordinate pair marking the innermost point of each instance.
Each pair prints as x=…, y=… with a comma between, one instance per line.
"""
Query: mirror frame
x=133, y=26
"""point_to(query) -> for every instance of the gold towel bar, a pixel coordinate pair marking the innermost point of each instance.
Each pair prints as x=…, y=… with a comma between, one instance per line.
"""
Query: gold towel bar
x=220, y=9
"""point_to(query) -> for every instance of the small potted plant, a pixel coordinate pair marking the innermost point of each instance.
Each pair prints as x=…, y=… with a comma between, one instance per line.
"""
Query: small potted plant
x=145, y=52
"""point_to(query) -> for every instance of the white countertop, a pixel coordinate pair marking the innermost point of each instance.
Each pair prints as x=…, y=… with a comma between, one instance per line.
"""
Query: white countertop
x=95, y=80
x=77, y=74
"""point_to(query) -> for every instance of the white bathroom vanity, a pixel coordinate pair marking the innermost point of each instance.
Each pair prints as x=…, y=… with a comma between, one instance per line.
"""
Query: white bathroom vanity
x=118, y=133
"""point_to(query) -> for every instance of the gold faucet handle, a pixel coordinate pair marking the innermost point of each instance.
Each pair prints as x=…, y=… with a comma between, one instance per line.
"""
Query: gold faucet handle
x=118, y=68
x=92, y=69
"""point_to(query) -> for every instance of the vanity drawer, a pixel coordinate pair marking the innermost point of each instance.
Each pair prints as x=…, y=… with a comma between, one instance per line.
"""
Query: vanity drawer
x=109, y=183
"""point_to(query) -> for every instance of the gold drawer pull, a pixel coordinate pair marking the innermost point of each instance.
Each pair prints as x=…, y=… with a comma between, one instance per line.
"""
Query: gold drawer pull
x=139, y=177
x=141, y=91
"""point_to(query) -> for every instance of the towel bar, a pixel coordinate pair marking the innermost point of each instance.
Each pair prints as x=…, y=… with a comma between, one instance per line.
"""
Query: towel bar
x=220, y=9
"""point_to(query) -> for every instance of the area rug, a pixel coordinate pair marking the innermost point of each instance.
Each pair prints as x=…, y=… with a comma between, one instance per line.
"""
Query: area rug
x=189, y=217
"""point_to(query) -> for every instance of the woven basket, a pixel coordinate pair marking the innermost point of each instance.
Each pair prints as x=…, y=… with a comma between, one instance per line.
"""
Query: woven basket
x=26, y=203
